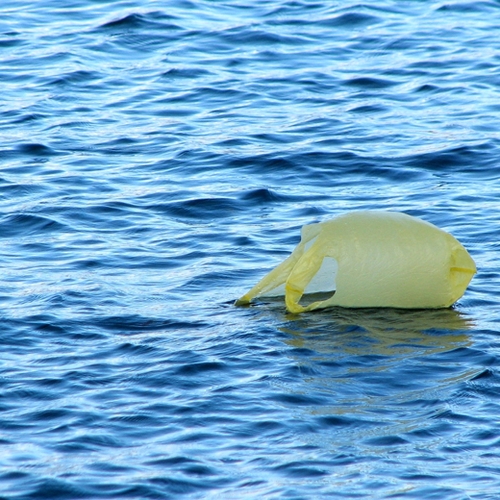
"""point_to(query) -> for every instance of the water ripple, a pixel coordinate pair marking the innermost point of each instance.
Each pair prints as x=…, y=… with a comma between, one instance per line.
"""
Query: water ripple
x=155, y=163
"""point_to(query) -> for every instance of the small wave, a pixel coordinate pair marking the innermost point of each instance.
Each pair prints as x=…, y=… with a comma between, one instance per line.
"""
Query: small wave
x=473, y=160
x=184, y=73
x=201, y=208
x=387, y=441
x=369, y=82
x=156, y=159
x=156, y=19
x=36, y=149
x=350, y=20
x=27, y=224
x=257, y=37
x=10, y=39
x=76, y=77
x=372, y=108
x=137, y=323
x=467, y=7
x=262, y=196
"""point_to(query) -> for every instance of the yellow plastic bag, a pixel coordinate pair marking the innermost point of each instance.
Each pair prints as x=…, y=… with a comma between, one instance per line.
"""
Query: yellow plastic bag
x=371, y=259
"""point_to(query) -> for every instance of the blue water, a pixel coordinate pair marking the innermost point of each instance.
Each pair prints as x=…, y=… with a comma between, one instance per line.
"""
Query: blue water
x=156, y=160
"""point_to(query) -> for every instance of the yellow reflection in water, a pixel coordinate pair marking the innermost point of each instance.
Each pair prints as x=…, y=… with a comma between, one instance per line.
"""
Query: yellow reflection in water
x=386, y=331
x=372, y=360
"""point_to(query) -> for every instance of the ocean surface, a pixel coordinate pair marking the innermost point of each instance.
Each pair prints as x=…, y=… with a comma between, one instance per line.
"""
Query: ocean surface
x=157, y=158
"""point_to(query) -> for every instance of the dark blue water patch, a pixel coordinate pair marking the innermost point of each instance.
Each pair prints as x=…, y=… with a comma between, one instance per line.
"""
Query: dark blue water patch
x=264, y=162
x=185, y=73
x=134, y=323
x=170, y=486
x=257, y=37
x=332, y=169
x=430, y=432
x=369, y=83
x=473, y=356
x=10, y=190
x=468, y=7
x=350, y=20
x=27, y=118
x=486, y=383
x=487, y=375
x=140, y=32
x=76, y=78
x=473, y=160
x=196, y=160
x=120, y=146
x=26, y=224
x=53, y=488
x=339, y=423
x=369, y=109
x=290, y=12
x=35, y=396
x=10, y=39
x=387, y=441
x=48, y=415
x=205, y=280
x=151, y=20
x=263, y=196
x=198, y=368
x=398, y=44
x=295, y=400
x=234, y=142
x=36, y=150
x=202, y=208
x=274, y=138
x=451, y=417
x=302, y=470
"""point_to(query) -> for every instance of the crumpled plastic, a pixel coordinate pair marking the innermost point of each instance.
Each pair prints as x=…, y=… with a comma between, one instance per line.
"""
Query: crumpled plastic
x=370, y=259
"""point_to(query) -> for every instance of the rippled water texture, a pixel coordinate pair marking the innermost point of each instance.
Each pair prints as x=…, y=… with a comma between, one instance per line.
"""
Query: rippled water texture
x=157, y=158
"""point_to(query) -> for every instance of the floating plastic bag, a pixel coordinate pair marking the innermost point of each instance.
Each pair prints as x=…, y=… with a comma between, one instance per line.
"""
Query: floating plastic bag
x=371, y=259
